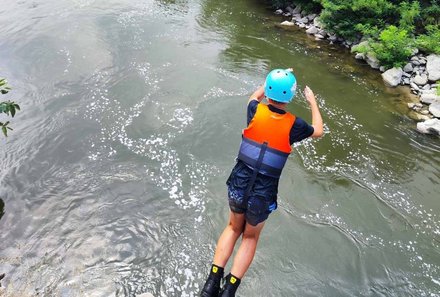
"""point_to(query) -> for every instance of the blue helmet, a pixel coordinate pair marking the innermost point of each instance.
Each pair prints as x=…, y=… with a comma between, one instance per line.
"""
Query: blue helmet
x=280, y=85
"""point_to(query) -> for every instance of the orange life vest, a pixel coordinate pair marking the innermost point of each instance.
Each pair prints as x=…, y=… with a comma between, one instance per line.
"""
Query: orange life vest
x=271, y=127
x=265, y=144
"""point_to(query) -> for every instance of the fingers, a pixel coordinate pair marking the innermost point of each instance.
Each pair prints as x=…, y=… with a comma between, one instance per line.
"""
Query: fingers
x=308, y=91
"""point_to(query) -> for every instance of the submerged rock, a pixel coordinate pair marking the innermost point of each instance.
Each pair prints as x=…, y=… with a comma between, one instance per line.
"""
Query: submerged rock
x=431, y=126
x=287, y=23
x=360, y=56
x=393, y=76
x=433, y=67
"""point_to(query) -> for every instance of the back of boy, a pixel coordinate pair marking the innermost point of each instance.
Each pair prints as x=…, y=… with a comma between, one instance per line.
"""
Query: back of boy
x=253, y=182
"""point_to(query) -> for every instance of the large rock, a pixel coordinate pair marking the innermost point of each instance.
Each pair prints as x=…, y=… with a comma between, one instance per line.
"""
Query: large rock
x=311, y=17
x=373, y=61
x=421, y=80
x=357, y=48
x=312, y=30
x=317, y=23
x=431, y=126
x=434, y=108
x=393, y=76
x=429, y=98
x=303, y=20
x=433, y=67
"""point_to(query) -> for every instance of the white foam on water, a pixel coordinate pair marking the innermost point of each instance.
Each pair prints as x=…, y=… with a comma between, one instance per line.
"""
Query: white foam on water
x=171, y=174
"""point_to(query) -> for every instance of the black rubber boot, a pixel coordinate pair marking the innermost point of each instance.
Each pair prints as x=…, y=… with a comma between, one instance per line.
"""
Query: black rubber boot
x=212, y=284
x=231, y=286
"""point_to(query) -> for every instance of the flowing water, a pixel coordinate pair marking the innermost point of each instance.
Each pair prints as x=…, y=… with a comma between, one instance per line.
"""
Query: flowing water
x=113, y=180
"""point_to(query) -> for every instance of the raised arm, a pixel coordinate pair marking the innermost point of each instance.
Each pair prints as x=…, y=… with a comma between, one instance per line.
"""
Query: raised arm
x=258, y=94
x=317, y=123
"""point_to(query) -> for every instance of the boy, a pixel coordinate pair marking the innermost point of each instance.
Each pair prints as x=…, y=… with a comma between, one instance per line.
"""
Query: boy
x=253, y=183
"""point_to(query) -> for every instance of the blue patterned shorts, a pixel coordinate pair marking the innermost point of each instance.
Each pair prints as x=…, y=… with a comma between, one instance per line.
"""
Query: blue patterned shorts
x=262, y=199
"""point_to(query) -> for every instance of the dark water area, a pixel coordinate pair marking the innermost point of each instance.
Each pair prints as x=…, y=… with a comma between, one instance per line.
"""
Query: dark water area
x=113, y=180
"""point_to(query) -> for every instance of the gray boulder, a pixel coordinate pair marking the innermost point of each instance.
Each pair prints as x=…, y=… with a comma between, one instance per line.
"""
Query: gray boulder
x=317, y=23
x=373, y=61
x=408, y=68
x=311, y=17
x=303, y=20
x=393, y=76
x=312, y=30
x=333, y=38
x=296, y=17
x=431, y=126
x=433, y=67
x=414, y=86
x=434, y=108
x=279, y=11
x=421, y=80
x=429, y=98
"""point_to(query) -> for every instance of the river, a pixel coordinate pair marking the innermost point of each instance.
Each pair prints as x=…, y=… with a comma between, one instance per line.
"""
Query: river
x=113, y=180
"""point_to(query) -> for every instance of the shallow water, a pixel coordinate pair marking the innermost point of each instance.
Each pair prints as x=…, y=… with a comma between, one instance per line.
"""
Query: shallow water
x=113, y=178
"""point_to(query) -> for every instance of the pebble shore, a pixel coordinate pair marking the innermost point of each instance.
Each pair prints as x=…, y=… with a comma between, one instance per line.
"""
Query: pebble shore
x=421, y=73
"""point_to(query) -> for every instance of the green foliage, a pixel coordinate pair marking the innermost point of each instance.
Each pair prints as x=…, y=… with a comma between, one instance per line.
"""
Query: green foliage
x=347, y=17
x=431, y=15
x=430, y=42
x=393, y=48
x=8, y=107
x=391, y=25
x=408, y=14
x=4, y=88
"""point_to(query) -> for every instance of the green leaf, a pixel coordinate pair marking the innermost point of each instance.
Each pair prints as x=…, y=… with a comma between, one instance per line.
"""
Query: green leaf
x=5, y=131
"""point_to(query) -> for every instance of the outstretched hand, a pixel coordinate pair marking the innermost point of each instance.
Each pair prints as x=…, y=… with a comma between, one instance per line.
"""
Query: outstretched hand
x=310, y=96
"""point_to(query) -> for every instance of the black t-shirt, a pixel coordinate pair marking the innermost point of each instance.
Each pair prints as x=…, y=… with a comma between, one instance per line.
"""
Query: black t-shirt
x=299, y=131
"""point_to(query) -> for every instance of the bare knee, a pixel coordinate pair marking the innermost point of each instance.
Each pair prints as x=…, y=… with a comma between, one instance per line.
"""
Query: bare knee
x=252, y=232
x=236, y=228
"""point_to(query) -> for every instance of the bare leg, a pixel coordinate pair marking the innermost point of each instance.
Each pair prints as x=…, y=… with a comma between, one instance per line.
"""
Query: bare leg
x=246, y=252
x=227, y=240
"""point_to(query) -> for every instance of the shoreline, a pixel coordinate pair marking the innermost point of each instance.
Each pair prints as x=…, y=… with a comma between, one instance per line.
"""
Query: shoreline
x=421, y=74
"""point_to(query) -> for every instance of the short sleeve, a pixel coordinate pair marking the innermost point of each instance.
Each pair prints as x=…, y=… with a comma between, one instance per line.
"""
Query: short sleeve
x=251, y=110
x=300, y=130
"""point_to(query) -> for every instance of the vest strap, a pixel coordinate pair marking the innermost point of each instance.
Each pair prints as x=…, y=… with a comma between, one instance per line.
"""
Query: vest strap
x=266, y=160
x=255, y=171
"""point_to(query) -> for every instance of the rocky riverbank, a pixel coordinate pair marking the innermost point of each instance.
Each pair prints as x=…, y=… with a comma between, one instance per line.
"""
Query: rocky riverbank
x=421, y=73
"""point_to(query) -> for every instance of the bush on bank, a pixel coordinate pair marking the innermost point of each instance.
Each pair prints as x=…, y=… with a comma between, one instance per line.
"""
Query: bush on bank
x=394, y=28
